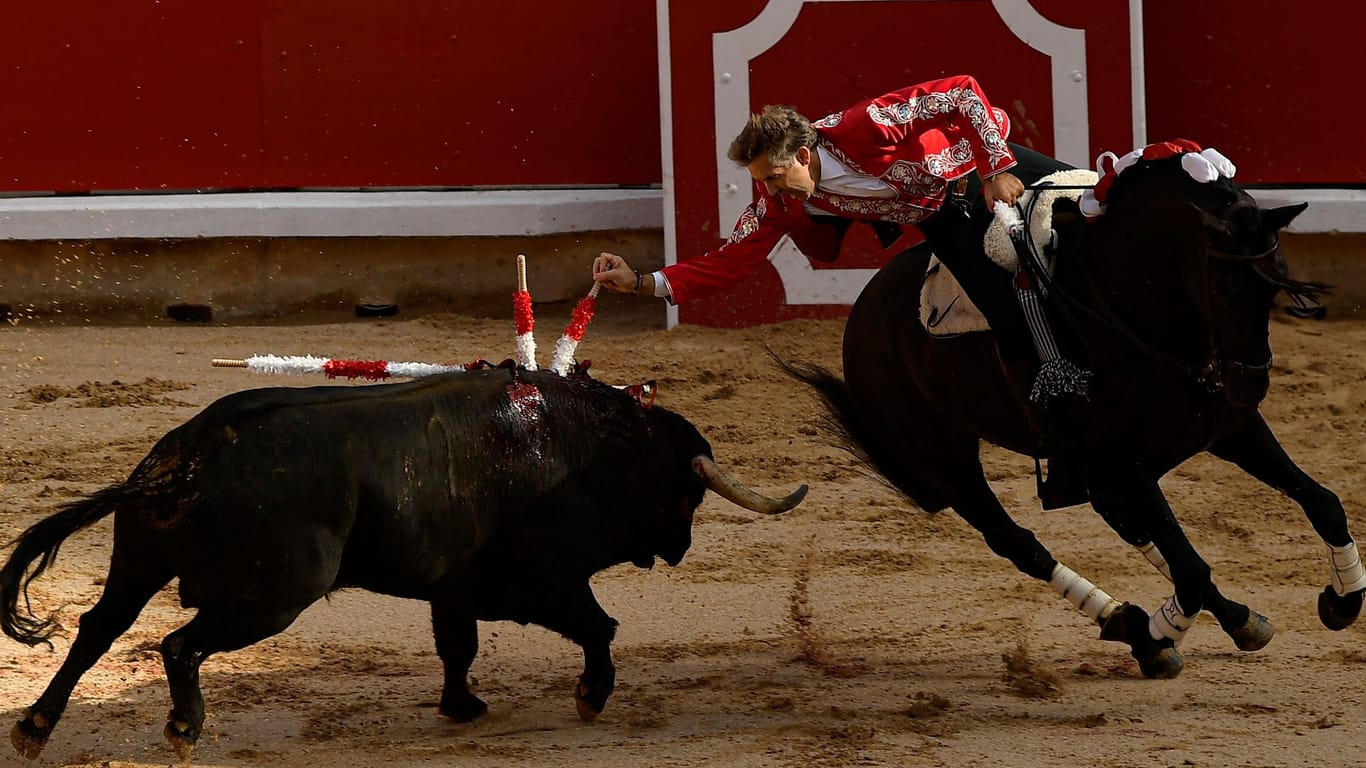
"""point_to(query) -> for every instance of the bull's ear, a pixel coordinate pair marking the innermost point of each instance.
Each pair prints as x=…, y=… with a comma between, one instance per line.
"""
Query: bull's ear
x=1276, y=219
x=1213, y=223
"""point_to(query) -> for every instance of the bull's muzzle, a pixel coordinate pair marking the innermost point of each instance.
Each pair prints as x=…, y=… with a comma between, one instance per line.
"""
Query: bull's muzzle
x=736, y=492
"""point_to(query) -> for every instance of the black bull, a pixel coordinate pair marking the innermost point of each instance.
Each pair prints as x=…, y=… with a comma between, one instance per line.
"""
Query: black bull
x=493, y=495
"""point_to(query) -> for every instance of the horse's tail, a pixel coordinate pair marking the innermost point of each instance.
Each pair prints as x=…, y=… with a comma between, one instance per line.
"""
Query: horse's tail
x=41, y=542
x=855, y=432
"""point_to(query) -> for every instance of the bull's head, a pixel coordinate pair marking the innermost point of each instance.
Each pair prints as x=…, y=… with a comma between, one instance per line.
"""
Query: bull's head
x=687, y=472
x=674, y=546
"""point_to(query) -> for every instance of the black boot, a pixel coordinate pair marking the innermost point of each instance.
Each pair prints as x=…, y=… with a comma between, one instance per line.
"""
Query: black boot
x=1065, y=483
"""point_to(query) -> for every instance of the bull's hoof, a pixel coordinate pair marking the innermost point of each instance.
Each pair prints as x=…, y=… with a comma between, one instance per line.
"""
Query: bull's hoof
x=464, y=709
x=1166, y=664
x=27, y=738
x=181, y=737
x=1255, y=633
x=589, y=702
x=1338, y=612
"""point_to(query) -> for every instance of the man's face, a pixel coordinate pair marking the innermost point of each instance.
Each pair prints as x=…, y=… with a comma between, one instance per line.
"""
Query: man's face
x=792, y=179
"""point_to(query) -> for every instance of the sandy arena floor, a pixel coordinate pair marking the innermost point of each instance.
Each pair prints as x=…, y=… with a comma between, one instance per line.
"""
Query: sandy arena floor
x=853, y=631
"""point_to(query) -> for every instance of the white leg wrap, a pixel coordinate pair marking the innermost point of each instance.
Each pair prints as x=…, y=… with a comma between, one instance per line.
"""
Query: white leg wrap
x=1170, y=622
x=1159, y=562
x=1348, y=575
x=1082, y=594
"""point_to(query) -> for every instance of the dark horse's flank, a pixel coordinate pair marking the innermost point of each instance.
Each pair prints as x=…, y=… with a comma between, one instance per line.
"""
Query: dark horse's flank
x=1171, y=292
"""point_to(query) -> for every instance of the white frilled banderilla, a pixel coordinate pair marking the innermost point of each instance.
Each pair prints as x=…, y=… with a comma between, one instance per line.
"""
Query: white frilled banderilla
x=561, y=361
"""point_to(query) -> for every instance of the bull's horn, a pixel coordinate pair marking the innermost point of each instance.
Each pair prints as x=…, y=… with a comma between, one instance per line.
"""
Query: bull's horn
x=735, y=492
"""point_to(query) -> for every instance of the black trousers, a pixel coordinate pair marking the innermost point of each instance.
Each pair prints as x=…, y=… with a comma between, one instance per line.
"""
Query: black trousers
x=955, y=235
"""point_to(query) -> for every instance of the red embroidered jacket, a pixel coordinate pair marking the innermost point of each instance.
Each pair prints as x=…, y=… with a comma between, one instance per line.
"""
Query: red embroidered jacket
x=917, y=140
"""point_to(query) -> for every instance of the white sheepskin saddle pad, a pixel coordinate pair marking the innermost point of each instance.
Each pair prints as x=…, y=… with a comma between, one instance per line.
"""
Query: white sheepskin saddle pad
x=945, y=310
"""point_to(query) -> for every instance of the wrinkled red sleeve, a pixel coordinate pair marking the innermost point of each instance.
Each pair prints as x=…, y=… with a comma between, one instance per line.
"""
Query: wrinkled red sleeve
x=955, y=105
x=758, y=230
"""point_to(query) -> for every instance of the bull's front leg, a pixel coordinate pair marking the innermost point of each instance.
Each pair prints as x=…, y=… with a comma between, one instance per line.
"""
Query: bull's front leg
x=1255, y=450
x=457, y=642
x=577, y=615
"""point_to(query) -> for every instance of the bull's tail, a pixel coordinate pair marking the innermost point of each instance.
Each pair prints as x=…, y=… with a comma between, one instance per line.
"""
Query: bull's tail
x=867, y=440
x=41, y=542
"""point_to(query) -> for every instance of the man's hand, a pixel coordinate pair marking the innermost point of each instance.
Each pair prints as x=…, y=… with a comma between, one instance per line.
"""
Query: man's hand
x=614, y=273
x=1004, y=187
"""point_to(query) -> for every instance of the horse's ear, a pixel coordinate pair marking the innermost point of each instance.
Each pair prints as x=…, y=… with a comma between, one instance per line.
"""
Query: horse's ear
x=1213, y=223
x=1276, y=219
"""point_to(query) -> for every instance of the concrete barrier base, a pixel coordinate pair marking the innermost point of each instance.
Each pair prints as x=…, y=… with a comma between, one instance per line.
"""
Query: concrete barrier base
x=241, y=279
x=246, y=278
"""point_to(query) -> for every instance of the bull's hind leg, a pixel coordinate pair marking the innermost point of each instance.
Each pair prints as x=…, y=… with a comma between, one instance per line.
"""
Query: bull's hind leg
x=972, y=498
x=1255, y=450
x=132, y=581
x=457, y=641
x=214, y=629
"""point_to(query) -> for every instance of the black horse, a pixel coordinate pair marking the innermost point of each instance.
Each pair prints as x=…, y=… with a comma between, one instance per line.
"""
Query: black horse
x=1170, y=294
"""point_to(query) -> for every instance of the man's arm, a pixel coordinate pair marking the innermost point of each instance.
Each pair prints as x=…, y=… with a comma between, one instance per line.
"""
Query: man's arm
x=750, y=243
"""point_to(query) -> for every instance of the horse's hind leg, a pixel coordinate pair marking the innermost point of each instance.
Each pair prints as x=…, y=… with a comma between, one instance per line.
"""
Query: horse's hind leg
x=1136, y=508
x=1255, y=450
x=1249, y=630
x=132, y=581
x=972, y=498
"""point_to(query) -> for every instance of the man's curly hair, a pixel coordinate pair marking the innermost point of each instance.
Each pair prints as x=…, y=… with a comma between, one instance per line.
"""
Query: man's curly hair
x=776, y=133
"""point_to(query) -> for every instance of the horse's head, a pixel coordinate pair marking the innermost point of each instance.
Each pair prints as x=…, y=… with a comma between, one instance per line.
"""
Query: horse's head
x=1205, y=262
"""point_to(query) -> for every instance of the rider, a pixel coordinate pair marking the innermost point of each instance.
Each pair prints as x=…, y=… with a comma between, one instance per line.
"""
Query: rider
x=932, y=155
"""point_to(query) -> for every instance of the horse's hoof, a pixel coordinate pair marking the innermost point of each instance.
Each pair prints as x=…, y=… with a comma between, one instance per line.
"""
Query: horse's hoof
x=588, y=706
x=1166, y=664
x=1338, y=612
x=27, y=740
x=1255, y=633
x=1115, y=627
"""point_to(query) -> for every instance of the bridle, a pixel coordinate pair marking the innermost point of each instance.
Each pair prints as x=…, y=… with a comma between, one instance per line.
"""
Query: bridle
x=1218, y=371
x=1215, y=372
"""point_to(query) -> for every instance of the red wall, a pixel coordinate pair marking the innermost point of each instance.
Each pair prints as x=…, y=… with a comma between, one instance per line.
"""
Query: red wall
x=147, y=95
x=1271, y=84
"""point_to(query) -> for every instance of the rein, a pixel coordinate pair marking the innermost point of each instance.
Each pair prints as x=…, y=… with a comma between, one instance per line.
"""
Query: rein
x=1218, y=369
x=1213, y=374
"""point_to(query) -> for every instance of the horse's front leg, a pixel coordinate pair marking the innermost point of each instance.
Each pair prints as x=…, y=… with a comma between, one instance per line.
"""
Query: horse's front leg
x=1255, y=450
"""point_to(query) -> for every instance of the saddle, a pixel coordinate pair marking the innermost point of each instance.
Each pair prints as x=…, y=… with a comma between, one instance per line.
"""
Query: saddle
x=945, y=310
